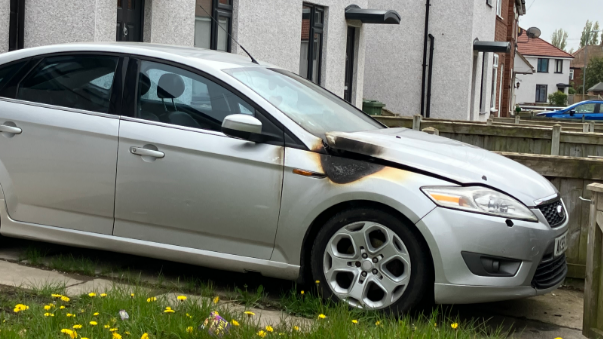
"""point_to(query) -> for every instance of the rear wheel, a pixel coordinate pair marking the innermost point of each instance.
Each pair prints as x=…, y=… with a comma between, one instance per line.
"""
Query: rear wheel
x=371, y=259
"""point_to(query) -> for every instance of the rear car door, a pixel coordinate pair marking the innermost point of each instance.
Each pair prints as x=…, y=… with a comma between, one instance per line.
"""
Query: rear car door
x=180, y=180
x=58, y=141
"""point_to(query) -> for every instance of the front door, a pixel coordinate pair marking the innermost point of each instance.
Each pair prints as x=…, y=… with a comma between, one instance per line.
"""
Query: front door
x=349, y=64
x=129, y=20
x=181, y=181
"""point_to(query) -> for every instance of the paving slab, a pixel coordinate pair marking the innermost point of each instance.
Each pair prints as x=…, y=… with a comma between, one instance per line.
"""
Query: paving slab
x=12, y=274
x=95, y=285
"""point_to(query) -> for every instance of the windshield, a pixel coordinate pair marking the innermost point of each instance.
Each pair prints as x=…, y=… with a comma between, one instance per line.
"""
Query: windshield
x=309, y=105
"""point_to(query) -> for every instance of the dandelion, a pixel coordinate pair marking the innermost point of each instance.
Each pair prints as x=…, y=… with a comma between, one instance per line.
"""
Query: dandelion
x=168, y=310
x=234, y=322
x=455, y=325
x=103, y=295
x=65, y=299
x=296, y=328
x=95, y=314
x=92, y=294
x=62, y=307
x=106, y=326
x=302, y=292
x=189, y=329
x=93, y=323
x=71, y=333
x=151, y=299
x=216, y=299
x=131, y=295
x=77, y=327
x=378, y=323
x=113, y=330
x=354, y=321
x=262, y=334
x=56, y=295
x=20, y=308
x=249, y=313
x=48, y=307
x=116, y=335
x=269, y=328
x=435, y=324
x=190, y=316
x=82, y=310
x=49, y=314
x=69, y=315
x=145, y=336
x=321, y=316
x=317, y=282
x=181, y=298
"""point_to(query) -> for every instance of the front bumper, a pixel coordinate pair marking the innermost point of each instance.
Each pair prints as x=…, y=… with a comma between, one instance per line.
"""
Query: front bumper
x=450, y=232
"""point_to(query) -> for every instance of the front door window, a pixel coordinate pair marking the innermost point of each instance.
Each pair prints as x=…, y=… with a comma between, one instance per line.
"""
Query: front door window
x=586, y=108
x=129, y=20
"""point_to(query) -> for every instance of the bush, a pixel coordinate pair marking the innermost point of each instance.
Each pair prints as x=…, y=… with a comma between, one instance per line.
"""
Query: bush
x=558, y=99
x=571, y=90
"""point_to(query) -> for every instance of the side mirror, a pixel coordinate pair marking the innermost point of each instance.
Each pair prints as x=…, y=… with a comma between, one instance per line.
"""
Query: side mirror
x=572, y=112
x=243, y=126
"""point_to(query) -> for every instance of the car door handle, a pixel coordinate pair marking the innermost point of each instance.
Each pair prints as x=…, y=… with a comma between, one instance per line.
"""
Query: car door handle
x=10, y=129
x=146, y=152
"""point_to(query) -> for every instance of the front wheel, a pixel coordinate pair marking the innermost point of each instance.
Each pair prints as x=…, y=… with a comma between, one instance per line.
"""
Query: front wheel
x=371, y=259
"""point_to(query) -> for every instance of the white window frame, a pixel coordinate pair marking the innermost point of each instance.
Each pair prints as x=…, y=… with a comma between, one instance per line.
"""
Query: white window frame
x=499, y=8
x=494, y=82
x=571, y=74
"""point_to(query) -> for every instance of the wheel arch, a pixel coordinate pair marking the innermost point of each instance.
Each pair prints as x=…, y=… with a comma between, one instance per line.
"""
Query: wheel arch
x=321, y=219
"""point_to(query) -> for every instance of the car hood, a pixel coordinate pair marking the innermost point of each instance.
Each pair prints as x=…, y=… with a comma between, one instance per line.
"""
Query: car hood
x=447, y=158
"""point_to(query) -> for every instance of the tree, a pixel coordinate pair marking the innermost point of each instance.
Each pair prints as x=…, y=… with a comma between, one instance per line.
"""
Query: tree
x=594, y=37
x=584, y=39
x=571, y=51
x=594, y=72
x=559, y=39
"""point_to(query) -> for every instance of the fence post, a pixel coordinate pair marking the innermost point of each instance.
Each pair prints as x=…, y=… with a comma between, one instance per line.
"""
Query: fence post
x=592, y=326
x=431, y=130
x=586, y=127
x=489, y=121
x=517, y=117
x=591, y=125
x=583, y=118
x=416, y=122
x=556, y=139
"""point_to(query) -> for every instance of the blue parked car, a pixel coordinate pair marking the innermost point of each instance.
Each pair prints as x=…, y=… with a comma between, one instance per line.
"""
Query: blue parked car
x=590, y=109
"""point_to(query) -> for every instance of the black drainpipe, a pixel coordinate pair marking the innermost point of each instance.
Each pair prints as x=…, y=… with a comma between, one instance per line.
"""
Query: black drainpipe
x=431, y=42
x=427, y=5
x=16, y=25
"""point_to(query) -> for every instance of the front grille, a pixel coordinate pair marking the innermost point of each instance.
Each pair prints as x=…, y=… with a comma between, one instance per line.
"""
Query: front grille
x=550, y=213
x=550, y=272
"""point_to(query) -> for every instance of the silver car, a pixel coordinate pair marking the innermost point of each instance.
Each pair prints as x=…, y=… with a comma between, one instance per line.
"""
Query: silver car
x=207, y=158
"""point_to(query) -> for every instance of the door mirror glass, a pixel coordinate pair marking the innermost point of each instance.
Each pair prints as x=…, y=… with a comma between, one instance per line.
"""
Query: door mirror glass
x=243, y=126
x=572, y=112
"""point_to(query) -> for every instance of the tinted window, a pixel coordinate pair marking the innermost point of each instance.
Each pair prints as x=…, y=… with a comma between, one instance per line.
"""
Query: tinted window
x=8, y=71
x=585, y=108
x=176, y=96
x=80, y=81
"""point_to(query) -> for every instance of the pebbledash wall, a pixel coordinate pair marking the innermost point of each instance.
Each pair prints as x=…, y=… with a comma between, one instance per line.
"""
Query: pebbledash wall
x=394, y=57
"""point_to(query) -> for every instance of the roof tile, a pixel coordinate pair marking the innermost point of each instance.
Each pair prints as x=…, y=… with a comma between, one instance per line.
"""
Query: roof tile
x=539, y=47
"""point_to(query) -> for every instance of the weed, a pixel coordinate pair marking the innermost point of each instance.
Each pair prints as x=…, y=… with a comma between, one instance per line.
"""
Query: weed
x=247, y=298
x=69, y=263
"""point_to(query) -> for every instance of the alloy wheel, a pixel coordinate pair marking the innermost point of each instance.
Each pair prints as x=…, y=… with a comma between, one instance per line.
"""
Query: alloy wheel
x=367, y=265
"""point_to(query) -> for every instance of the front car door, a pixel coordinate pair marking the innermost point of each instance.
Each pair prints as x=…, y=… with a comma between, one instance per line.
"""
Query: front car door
x=58, y=145
x=180, y=180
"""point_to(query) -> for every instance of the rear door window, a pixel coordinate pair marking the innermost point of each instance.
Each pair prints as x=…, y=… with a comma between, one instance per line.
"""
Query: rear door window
x=8, y=71
x=74, y=81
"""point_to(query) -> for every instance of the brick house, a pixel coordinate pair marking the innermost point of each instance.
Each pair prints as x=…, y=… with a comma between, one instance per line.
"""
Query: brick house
x=577, y=64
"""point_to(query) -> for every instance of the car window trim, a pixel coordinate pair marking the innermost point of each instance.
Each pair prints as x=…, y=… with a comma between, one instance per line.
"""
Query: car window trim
x=116, y=106
x=59, y=108
x=130, y=111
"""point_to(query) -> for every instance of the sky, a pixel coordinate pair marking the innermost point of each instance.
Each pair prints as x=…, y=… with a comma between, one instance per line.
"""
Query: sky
x=571, y=15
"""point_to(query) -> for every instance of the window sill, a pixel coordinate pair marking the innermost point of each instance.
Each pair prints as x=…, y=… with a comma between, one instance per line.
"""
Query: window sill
x=493, y=110
x=483, y=113
x=558, y=72
x=500, y=17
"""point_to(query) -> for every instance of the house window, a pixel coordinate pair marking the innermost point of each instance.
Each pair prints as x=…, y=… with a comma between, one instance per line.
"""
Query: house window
x=543, y=65
x=213, y=34
x=571, y=74
x=558, y=66
x=499, y=8
x=494, y=83
x=489, y=3
x=311, y=42
x=541, y=94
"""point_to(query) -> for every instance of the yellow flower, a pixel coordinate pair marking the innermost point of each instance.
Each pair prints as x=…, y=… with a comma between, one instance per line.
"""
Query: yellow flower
x=127, y=333
x=48, y=314
x=354, y=321
x=321, y=316
x=65, y=299
x=20, y=308
x=216, y=299
x=82, y=310
x=296, y=328
x=262, y=334
x=317, y=282
x=181, y=298
x=72, y=334
x=249, y=313
x=168, y=310
x=188, y=315
x=77, y=327
x=269, y=328
x=62, y=307
x=106, y=326
x=189, y=329
x=56, y=295
x=151, y=299
x=95, y=314
x=116, y=335
x=234, y=322
x=144, y=336
x=93, y=323
x=378, y=323
x=48, y=307
x=302, y=292
x=103, y=295
x=131, y=295
x=70, y=315
x=92, y=294
x=454, y=325
x=112, y=330
x=435, y=324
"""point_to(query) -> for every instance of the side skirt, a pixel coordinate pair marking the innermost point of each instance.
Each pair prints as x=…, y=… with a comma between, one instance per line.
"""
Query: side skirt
x=221, y=261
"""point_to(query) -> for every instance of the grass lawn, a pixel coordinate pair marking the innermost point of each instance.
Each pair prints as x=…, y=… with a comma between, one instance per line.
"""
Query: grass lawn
x=45, y=314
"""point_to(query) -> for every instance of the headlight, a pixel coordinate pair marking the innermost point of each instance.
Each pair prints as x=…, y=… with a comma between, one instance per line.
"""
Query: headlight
x=479, y=200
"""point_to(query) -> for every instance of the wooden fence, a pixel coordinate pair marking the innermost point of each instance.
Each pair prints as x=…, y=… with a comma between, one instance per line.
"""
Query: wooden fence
x=571, y=176
x=502, y=137
x=593, y=289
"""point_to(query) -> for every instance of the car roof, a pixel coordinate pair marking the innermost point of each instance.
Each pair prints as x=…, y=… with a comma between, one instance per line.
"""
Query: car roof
x=199, y=56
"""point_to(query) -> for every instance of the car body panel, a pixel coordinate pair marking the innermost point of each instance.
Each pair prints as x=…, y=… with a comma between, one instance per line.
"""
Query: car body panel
x=60, y=170
x=209, y=192
x=597, y=111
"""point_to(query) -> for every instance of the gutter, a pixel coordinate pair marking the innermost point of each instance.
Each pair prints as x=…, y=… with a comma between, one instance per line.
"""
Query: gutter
x=431, y=42
x=427, y=5
x=16, y=25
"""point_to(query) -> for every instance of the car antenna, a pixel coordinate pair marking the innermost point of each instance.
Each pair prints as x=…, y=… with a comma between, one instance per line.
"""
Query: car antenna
x=229, y=35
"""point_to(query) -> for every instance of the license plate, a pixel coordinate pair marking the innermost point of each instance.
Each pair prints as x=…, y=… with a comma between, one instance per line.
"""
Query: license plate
x=561, y=244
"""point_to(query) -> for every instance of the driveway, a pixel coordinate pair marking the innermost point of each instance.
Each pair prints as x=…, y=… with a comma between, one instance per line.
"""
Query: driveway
x=558, y=314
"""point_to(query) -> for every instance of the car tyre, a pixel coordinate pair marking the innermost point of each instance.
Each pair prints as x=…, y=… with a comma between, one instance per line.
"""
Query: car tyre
x=339, y=279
